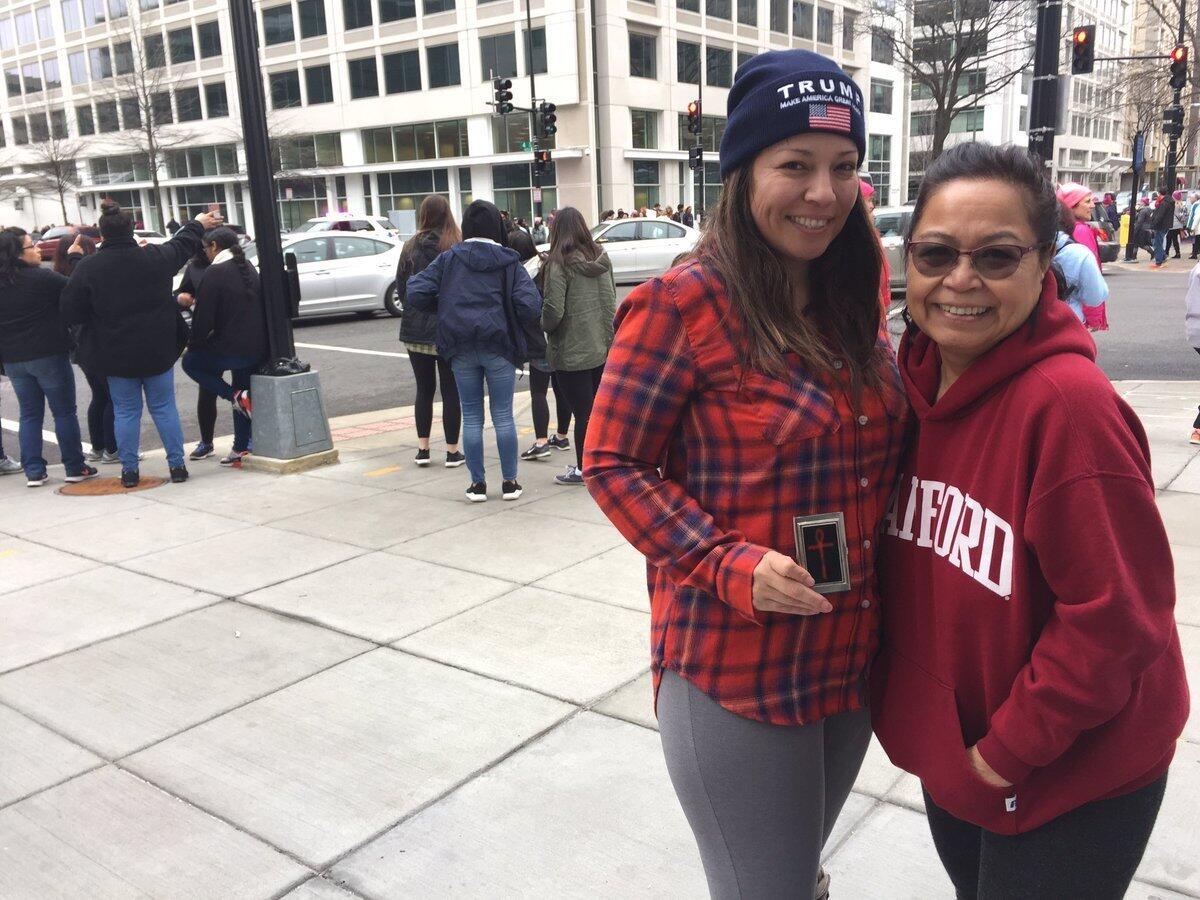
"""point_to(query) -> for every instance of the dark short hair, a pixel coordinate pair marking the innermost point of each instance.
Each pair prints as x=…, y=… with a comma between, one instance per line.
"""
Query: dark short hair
x=114, y=221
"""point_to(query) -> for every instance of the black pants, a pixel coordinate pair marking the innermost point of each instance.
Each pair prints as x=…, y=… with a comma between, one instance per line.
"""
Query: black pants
x=100, y=414
x=580, y=390
x=1089, y=853
x=206, y=414
x=428, y=369
x=1173, y=241
x=1195, y=246
x=539, y=384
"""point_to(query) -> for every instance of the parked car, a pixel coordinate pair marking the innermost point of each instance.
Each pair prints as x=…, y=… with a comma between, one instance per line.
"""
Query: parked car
x=349, y=222
x=892, y=224
x=640, y=249
x=49, y=241
x=1106, y=236
x=343, y=272
x=150, y=237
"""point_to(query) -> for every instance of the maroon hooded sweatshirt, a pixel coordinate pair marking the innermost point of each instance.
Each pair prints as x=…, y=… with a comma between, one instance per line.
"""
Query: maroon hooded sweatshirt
x=1027, y=583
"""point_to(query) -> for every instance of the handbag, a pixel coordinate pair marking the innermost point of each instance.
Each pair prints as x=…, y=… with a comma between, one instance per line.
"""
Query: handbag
x=524, y=335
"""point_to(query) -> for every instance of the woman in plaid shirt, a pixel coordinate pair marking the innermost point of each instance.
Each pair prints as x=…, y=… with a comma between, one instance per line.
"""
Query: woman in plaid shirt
x=751, y=416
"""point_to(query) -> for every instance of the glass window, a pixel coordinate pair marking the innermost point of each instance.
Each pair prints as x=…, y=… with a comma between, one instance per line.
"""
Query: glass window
x=402, y=72
x=645, y=183
x=72, y=18
x=442, y=62
x=101, y=62
x=824, y=25
x=285, y=89
x=436, y=6
x=688, y=5
x=879, y=164
x=512, y=191
x=747, y=12
x=622, y=231
x=45, y=22
x=849, y=26
x=645, y=129
x=32, y=73
x=94, y=12
x=711, y=130
x=499, y=56
x=394, y=10
x=39, y=128
x=967, y=120
x=802, y=19
x=216, y=98
x=744, y=57
x=312, y=18
x=452, y=138
x=406, y=190
x=539, y=50
x=779, y=16
x=195, y=199
x=377, y=145
x=352, y=247
x=51, y=78
x=12, y=81
x=106, y=116
x=719, y=68
x=131, y=112
x=123, y=58
x=658, y=229
x=316, y=250
x=464, y=188
x=357, y=13
x=277, y=25
x=156, y=54
x=181, y=46
x=364, y=78
x=881, y=45
x=209, y=34
x=160, y=108
x=83, y=116
x=118, y=9
x=881, y=95
x=718, y=9
x=319, y=82
x=187, y=101
x=25, y=28
x=58, y=124
x=687, y=57
x=20, y=130
x=642, y=55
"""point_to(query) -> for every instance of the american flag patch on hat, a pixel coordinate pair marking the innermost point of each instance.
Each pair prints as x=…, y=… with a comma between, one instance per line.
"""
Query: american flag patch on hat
x=829, y=115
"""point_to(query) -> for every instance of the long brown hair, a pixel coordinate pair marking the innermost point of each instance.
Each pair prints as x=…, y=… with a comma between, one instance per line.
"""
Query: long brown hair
x=843, y=314
x=435, y=216
x=570, y=238
x=62, y=259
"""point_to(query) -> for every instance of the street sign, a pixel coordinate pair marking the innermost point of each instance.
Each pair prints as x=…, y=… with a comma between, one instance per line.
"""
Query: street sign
x=1139, y=150
x=526, y=145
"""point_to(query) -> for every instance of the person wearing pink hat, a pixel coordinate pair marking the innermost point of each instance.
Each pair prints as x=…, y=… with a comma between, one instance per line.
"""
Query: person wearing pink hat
x=1078, y=199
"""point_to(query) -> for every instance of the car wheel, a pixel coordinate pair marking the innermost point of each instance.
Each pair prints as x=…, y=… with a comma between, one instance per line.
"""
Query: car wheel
x=390, y=304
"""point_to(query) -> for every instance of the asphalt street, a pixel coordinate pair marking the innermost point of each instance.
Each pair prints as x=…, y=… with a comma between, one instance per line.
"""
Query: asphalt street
x=363, y=367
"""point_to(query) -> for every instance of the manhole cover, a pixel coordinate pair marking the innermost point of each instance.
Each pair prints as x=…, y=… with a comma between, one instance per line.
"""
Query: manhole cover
x=99, y=487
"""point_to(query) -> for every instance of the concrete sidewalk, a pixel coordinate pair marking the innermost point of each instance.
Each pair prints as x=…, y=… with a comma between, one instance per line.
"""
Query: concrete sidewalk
x=354, y=683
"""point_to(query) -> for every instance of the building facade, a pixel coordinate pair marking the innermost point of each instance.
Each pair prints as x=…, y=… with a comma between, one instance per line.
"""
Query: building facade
x=376, y=103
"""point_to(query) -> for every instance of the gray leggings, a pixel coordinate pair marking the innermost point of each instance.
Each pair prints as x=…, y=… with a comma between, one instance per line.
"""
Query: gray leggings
x=761, y=799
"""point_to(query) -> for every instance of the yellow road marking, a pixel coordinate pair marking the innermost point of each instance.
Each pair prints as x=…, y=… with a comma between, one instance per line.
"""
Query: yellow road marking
x=379, y=473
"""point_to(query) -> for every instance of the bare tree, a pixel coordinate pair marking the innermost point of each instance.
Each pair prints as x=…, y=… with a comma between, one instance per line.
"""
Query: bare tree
x=954, y=52
x=55, y=169
x=1165, y=14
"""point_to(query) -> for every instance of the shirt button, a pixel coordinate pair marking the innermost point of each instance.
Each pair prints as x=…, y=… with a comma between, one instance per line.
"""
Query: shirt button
x=866, y=545
x=862, y=420
x=837, y=363
x=863, y=482
x=866, y=604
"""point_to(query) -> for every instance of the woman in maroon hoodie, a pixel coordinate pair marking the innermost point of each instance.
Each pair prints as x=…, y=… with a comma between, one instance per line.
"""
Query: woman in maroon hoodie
x=1031, y=673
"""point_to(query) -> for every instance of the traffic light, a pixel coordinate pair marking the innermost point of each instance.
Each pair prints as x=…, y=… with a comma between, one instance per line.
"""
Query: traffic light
x=1083, y=49
x=695, y=158
x=503, y=89
x=541, y=160
x=694, y=126
x=546, y=119
x=1173, y=121
x=1179, y=67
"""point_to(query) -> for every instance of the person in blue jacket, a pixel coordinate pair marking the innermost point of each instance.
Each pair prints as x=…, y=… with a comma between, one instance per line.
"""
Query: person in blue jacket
x=484, y=299
x=1084, y=288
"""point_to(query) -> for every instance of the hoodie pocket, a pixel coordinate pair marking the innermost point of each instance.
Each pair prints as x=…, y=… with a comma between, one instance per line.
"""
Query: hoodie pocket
x=915, y=716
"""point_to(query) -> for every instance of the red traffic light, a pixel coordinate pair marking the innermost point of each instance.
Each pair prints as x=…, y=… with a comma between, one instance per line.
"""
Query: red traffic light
x=693, y=107
x=1179, y=54
x=1082, y=36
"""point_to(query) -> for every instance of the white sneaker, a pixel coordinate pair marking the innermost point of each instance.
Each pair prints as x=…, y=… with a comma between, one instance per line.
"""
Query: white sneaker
x=93, y=456
x=9, y=466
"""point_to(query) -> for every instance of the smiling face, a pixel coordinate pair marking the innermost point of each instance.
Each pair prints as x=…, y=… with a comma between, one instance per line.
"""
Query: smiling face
x=803, y=189
x=1083, y=209
x=964, y=313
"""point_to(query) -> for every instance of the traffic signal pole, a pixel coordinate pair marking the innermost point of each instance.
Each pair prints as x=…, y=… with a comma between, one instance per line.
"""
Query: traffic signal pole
x=1043, y=104
x=1178, y=80
x=536, y=167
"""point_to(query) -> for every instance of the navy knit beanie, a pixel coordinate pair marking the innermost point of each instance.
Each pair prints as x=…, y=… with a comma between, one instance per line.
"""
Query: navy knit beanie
x=785, y=92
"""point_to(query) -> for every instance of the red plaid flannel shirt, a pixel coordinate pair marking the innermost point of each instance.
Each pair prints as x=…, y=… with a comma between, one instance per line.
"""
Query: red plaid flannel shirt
x=702, y=466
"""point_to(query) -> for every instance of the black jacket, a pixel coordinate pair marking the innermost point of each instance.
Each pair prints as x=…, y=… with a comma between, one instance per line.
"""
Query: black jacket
x=228, y=318
x=123, y=293
x=1163, y=218
x=416, y=327
x=193, y=274
x=30, y=324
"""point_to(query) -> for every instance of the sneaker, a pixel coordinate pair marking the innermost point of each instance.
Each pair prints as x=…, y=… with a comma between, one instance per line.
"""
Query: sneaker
x=109, y=459
x=559, y=443
x=573, y=475
x=477, y=492
x=93, y=456
x=511, y=490
x=537, y=451
x=822, y=892
x=9, y=466
x=241, y=402
x=422, y=458
x=37, y=480
x=1155, y=265
x=130, y=478
x=202, y=451
x=455, y=459
x=179, y=474
x=235, y=458
x=1195, y=438
x=83, y=475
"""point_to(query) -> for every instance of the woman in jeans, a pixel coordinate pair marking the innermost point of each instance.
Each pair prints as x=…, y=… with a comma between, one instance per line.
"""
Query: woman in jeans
x=436, y=233
x=577, y=315
x=229, y=333
x=484, y=300
x=34, y=349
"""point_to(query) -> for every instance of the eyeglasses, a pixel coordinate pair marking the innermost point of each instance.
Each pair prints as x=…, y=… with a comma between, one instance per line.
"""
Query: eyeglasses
x=993, y=261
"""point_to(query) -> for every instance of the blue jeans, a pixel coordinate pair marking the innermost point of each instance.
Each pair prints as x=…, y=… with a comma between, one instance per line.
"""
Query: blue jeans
x=36, y=382
x=1160, y=246
x=206, y=370
x=127, y=414
x=471, y=369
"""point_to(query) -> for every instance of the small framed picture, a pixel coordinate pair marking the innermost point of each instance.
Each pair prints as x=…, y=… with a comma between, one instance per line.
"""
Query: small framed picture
x=821, y=549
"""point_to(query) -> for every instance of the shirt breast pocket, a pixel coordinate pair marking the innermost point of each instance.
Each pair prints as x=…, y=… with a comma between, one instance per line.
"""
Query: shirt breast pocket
x=786, y=411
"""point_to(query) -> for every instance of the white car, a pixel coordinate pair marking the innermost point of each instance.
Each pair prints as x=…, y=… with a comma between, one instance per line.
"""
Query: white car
x=150, y=237
x=640, y=249
x=892, y=224
x=349, y=222
x=343, y=272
